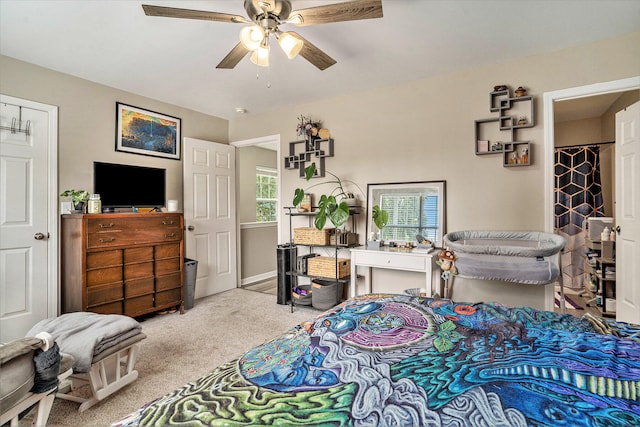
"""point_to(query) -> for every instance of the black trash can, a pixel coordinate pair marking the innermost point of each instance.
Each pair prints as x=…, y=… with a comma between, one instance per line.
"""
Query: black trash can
x=287, y=255
x=190, y=272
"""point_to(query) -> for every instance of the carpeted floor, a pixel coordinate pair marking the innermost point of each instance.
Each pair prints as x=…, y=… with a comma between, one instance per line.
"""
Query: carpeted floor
x=180, y=348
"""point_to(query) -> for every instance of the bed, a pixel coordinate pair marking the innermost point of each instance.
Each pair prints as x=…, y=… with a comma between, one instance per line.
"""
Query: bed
x=386, y=359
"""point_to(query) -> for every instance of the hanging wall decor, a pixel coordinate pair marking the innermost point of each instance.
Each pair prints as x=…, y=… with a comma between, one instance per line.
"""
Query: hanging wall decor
x=315, y=146
x=497, y=135
x=146, y=132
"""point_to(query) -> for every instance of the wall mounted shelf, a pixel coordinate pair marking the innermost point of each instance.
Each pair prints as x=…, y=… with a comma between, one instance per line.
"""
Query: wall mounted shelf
x=498, y=135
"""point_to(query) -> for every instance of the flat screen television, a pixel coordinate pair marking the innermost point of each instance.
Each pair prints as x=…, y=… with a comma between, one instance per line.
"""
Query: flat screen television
x=125, y=186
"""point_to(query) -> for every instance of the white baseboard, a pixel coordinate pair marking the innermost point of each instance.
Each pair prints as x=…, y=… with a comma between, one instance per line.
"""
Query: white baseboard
x=258, y=278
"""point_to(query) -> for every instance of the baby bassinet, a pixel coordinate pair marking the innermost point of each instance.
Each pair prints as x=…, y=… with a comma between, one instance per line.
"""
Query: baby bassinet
x=529, y=257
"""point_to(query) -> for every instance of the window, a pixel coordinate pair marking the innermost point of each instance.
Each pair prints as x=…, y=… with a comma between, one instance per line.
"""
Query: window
x=414, y=209
x=266, y=194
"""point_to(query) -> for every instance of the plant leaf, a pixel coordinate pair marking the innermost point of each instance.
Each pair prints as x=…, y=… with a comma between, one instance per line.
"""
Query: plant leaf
x=310, y=171
x=339, y=215
x=320, y=220
x=298, y=196
x=380, y=217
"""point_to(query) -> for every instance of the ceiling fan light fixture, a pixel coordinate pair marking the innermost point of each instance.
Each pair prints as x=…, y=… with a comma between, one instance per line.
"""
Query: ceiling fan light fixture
x=251, y=37
x=290, y=44
x=260, y=56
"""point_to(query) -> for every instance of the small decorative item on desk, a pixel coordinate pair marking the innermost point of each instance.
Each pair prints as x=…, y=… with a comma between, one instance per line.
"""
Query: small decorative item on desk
x=520, y=91
x=424, y=244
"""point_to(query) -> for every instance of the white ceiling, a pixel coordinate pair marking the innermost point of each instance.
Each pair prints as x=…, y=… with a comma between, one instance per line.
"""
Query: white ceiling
x=173, y=60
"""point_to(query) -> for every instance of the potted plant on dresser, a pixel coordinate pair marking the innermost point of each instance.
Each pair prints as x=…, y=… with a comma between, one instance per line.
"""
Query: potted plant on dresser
x=78, y=198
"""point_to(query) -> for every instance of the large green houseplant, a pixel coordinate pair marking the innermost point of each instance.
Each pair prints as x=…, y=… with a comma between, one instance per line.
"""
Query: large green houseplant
x=329, y=207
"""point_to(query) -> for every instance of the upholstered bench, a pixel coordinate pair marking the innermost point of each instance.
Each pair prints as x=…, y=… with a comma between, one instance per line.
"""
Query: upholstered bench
x=104, y=347
x=30, y=369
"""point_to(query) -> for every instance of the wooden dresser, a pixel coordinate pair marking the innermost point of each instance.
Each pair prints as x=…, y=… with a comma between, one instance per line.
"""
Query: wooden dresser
x=122, y=263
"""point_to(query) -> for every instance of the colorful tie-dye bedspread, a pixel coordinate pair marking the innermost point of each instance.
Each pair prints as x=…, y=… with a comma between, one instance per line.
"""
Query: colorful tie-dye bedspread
x=397, y=360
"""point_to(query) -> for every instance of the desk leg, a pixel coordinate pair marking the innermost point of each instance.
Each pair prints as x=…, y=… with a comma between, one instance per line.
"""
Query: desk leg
x=354, y=279
x=367, y=281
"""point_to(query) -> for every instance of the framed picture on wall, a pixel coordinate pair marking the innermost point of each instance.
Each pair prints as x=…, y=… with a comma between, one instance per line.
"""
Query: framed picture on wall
x=147, y=132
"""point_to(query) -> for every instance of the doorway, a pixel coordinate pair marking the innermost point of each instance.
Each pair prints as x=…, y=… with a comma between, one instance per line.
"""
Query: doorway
x=258, y=183
x=552, y=105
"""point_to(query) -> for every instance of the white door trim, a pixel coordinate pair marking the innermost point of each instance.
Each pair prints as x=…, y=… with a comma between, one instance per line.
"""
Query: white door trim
x=275, y=139
x=53, y=217
x=549, y=98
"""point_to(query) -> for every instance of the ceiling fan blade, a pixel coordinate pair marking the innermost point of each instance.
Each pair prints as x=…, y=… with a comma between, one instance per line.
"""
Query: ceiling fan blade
x=338, y=12
x=173, y=12
x=233, y=57
x=314, y=55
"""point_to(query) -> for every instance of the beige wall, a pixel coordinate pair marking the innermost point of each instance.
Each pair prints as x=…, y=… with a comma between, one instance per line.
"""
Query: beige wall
x=424, y=130
x=248, y=158
x=86, y=120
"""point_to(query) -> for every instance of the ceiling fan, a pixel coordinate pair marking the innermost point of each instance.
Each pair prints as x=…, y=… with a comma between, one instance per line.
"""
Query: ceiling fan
x=266, y=16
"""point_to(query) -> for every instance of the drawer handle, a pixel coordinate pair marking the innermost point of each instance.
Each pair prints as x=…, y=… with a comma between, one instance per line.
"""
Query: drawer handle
x=170, y=222
x=109, y=240
x=110, y=225
x=170, y=235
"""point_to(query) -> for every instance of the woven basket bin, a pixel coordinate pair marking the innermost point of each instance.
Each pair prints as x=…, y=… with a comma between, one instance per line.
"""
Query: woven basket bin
x=324, y=266
x=312, y=236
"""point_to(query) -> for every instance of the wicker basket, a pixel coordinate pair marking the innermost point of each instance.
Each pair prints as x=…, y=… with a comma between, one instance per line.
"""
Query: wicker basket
x=312, y=236
x=323, y=266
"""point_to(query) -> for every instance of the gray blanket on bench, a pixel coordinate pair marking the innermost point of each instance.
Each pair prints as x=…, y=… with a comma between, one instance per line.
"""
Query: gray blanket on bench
x=84, y=335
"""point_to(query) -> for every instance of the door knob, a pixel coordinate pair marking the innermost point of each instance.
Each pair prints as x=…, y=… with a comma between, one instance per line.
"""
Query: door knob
x=191, y=228
x=39, y=236
x=617, y=229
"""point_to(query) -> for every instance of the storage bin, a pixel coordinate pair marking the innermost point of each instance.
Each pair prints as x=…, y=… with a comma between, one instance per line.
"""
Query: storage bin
x=312, y=236
x=344, y=238
x=300, y=298
x=322, y=266
x=325, y=294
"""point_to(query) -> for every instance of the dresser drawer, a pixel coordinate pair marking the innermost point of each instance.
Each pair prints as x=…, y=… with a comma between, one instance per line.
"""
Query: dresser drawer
x=167, y=251
x=100, y=276
x=109, y=308
x=169, y=265
x=132, y=231
x=138, y=254
x=391, y=260
x=138, y=305
x=104, y=259
x=173, y=296
x=170, y=281
x=134, y=223
x=97, y=295
x=138, y=270
x=137, y=287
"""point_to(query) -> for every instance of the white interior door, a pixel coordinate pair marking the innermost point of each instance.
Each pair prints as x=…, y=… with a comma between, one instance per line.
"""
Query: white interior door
x=28, y=246
x=628, y=214
x=210, y=214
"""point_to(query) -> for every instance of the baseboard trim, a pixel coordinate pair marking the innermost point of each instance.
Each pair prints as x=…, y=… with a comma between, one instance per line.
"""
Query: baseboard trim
x=259, y=278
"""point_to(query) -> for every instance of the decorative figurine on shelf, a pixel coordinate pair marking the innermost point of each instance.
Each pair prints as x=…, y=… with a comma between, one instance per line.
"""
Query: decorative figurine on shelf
x=521, y=91
x=525, y=156
x=446, y=261
x=513, y=159
x=522, y=120
x=498, y=88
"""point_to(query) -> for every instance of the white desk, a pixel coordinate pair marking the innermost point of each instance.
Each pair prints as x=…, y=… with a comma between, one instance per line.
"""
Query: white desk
x=394, y=259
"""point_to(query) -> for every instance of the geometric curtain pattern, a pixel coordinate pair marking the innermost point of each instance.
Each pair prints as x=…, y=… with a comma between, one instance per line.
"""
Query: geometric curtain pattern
x=578, y=196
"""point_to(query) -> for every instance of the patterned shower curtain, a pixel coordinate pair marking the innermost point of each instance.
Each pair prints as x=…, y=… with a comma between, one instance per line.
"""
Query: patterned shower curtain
x=578, y=196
